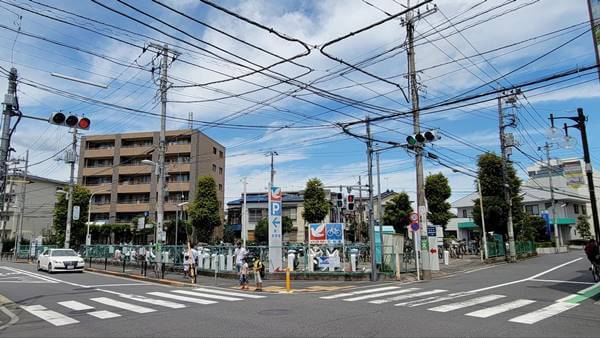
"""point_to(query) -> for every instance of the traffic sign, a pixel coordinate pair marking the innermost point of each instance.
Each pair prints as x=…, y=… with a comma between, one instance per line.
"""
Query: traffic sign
x=414, y=217
x=431, y=231
x=415, y=227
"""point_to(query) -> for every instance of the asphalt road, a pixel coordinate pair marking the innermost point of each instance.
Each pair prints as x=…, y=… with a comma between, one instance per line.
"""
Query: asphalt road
x=506, y=300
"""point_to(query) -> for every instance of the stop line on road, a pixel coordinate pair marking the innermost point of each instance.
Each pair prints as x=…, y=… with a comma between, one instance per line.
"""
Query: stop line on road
x=446, y=301
x=118, y=304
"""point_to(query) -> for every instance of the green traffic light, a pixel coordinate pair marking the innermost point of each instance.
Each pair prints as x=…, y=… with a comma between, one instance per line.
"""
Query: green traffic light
x=411, y=140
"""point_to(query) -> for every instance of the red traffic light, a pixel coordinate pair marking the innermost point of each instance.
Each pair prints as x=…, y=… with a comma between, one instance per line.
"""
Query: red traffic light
x=350, y=198
x=84, y=123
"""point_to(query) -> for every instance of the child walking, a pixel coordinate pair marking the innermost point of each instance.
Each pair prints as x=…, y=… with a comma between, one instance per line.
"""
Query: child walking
x=244, y=274
x=259, y=269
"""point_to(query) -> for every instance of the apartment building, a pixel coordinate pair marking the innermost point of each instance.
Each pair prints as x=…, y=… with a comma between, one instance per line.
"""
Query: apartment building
x=111, y=167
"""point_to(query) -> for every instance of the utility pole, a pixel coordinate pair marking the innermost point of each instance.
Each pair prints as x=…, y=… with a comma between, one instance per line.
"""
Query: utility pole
x=484, y=237
x=191, y=120
x=379, y=221
x=71, y=157
x=244, y=215
x=371, y=223
x=22, y=203
x=10, y=101
x=360, y=209
x=414, y=94
x=508, y=198
x=6, y=209
x=272, y=154
x=556, y=235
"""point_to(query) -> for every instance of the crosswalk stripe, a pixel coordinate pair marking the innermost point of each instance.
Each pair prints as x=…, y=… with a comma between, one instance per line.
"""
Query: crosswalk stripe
x=104, y=314
x=466, y=303
x=143, y=299
x=182, y=298
x=377, y=295
x=347, y=294
x=228, y=293
x=494, y=310
x=543, y=313
x=431, y=300
x=122, y=305
x=50, y=316
x=75, y=305
x=206, y=295
x=409, y=296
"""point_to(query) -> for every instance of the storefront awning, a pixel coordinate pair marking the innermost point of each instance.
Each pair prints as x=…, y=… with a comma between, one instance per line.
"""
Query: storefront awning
x=467, y=225
x=564, y=221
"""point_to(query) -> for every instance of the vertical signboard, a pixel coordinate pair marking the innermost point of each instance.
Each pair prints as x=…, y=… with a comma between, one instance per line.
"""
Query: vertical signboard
x=594, y=9
x=275, y=232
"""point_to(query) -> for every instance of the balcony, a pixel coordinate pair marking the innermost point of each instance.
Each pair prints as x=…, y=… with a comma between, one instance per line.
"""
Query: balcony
x=100, y=208
x=101, y=152
x=97, y=171
x=178, y=186
x=135, y=151
x=130, y=207
x=135, y=169
x=99, y=187
x=133, y=188
x=179, y=148
x=179, y=167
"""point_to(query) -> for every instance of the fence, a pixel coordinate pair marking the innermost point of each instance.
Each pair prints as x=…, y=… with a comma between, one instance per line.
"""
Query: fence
x=352, y=257
x=497, y=248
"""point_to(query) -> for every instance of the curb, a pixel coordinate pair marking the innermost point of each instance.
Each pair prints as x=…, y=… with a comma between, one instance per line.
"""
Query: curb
x=142, y=278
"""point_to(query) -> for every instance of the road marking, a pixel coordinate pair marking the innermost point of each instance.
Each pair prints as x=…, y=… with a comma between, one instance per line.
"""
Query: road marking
x=30, y=274
x=494, y=310
x=12, y=316
x=543, y=313
x=207, y=295
x=555, y=268
x=582, y=295
x=75, y=305
x=479, y=269
x=50, y=316
x=104, y=314
x=466, y=303
x=228, y=293
x=122, y=284
x=182, y=298
x=340, y=295
x=402, y=297
x=561, y=281
x=122, y=305
x=377, y=295
x=143, y=299
x=431, y=300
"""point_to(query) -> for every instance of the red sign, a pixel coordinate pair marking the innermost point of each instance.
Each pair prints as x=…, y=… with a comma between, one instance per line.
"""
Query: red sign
x=317, y=233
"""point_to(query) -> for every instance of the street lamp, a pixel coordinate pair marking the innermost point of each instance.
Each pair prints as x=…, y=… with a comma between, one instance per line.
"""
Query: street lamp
x=180, y=205
x=88, y=237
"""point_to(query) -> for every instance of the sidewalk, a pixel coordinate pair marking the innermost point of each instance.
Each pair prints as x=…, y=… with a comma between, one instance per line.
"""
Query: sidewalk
x=458, y=265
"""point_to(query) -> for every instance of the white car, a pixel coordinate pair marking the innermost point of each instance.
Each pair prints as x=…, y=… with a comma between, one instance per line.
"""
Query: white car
x=53, y=260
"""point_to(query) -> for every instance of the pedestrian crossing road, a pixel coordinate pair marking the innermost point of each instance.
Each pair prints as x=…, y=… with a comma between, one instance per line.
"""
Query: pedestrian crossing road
x=474, y=304
x=115, y=304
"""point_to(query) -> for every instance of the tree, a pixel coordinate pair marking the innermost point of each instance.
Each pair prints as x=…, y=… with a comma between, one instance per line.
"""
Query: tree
x=261, y=231
x=583, y=227
x=81, y=198
x=316, y=206
x=492, y=189
x=204, y=212
x=531, y=228
x=397, y=212
x=437, y=192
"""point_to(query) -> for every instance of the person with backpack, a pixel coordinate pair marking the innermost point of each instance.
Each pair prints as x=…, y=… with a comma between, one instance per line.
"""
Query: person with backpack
x=259, y=270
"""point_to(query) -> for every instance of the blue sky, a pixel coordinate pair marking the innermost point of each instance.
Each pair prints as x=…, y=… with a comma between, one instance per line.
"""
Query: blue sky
x=510, y=36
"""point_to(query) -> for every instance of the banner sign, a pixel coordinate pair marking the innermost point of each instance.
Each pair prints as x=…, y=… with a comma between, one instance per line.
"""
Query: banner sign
x=330, y=233
x=574, y=174
x=275, y=229
x=329, y=262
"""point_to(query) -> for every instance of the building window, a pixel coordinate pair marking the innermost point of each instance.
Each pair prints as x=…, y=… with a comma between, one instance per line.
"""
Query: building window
x=178, y=159
x=97, y=180
x=214, y=150
x=583, y=209
x=464, y=213
x=101, y=199
x=133, y=161
x=532, y=210
x=214, y=167
x=220, y=187
x=100, y=145
x=179, y=140
x=98, y=162
x=178, y=197
x=576, y=208
x=220, y=171
x=134, y=179
x=291, y=213
x=548, y=205
x=220, y=154
x=255, y=215
x=178, y=177
x=136, y=143
x=99, y=217
x=139, y=198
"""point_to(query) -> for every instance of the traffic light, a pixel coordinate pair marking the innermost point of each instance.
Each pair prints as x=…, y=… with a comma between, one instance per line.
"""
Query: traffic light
x=428, y=136
x=340, y=200
x=71, y=121
x=350, y=200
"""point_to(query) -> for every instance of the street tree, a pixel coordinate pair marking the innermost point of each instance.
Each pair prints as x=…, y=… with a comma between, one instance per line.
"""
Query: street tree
x=583, y=227
x=316, y=205
x=204, y=212
x=492, y=189
x=437, y=192
x=261, y=231
x=81, y=197
x=531, y=228
x=397, y=212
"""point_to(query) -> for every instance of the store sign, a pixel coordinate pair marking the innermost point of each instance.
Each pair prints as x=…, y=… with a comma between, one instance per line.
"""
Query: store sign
x=275, y=231
x=329, y=233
